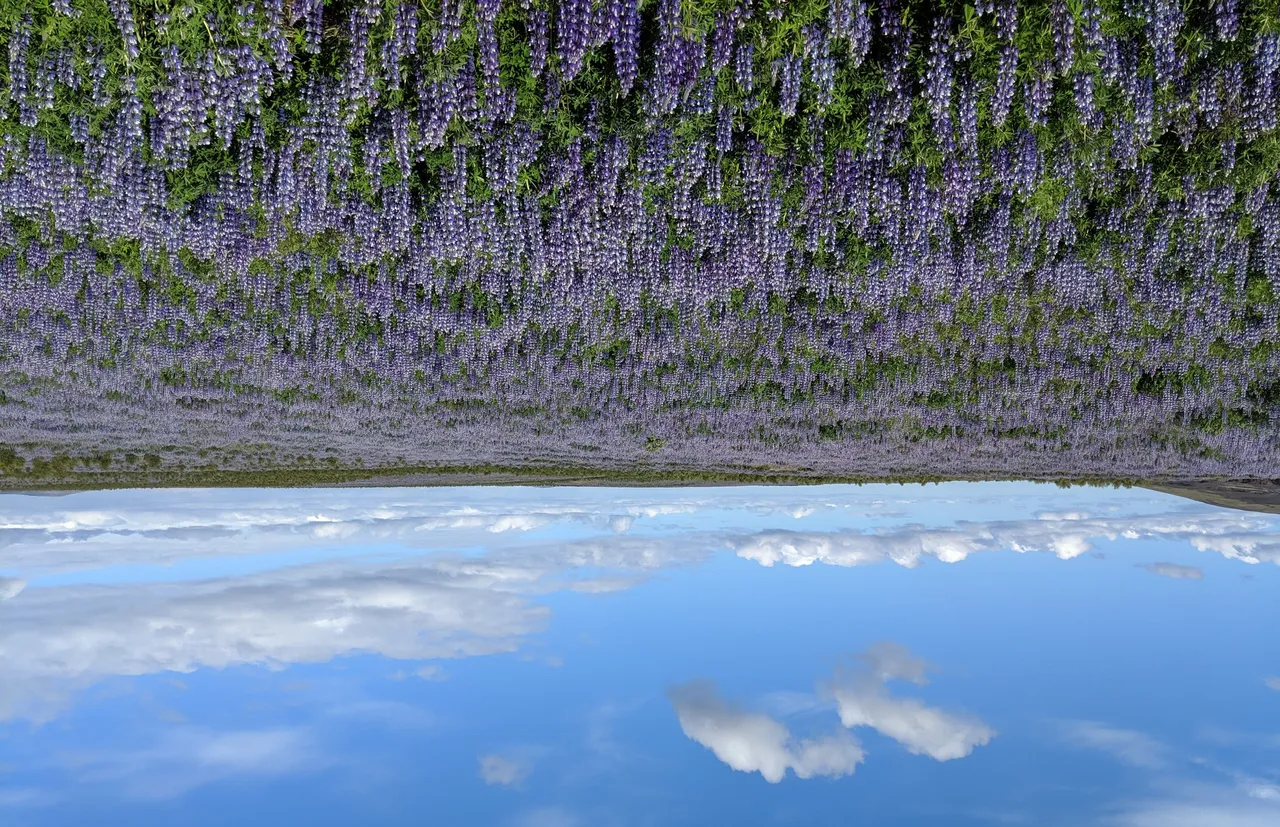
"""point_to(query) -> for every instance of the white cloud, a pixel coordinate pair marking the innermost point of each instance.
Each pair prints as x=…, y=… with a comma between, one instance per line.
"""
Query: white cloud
x=1273, y=683
x=11, y=587
x=503, y=772
x=1199, y=807
x=430, y=672
x=837, y=548
x=94, y=529
x=862, y=700
x=1125, y=745
x=1259, y=789
x=191, y=757
x=1254, y=548
x=889, y=661
x=1066, y=535
x=755, y=742
x=923, y=730
x=58, y=639
x=1175, y=571
x=394, y=715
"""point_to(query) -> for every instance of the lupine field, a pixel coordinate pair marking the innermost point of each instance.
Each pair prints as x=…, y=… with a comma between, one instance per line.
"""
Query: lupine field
x=860, y=238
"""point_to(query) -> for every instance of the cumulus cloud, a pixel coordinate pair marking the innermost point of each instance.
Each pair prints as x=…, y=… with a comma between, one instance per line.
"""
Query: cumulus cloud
x=844, y=548
x=921, y=729
x=755, y=742
x=1065, y=535
x=1253, y=548
x=1125, y=745
x=1175, y=571
x=496, y=770
x=11, y=587
x=862, y=699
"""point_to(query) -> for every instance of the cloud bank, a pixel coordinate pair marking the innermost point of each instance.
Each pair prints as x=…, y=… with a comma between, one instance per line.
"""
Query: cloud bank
x=1064, y=535
x=93, y=529
x=55, y=640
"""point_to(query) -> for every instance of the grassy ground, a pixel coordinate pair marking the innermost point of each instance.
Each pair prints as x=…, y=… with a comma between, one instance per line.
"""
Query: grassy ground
x=452, y=475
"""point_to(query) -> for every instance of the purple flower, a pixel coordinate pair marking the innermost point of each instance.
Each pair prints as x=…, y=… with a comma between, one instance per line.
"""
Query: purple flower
x=788, y=70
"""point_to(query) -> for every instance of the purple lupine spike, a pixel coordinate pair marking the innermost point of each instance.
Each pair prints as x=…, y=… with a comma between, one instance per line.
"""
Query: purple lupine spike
x=1226, y=15
x=722, y=41
x=1037, y=91
x=1082, y=86
x=1006, y=19
x=626, y=45
x=744, y=66
x=1162, y=31
x=890, y=20
x=1002, y=97
x=788, y=70
x=538, y=40
x=859, y=34
x=572, y=35
x=1063, y=27
x=724, y=129
x=122, y=12
x=939, y=75
x=822, y=66
x=967, y=122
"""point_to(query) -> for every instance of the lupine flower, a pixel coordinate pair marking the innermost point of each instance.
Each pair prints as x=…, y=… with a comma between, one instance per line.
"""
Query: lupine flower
x=1037, y=93
x=1002, y=98
x=1227, y=19
x=1063, y=37
x=788, y=70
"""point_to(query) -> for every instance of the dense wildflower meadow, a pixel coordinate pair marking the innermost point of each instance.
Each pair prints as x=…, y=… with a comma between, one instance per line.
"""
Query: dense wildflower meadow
x=864, y=238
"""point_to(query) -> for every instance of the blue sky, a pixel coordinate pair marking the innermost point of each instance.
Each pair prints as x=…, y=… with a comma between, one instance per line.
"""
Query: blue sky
x=962, y=653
